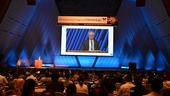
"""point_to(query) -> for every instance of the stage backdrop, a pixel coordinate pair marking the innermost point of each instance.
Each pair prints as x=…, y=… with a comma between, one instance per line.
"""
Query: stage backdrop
x=29, y=32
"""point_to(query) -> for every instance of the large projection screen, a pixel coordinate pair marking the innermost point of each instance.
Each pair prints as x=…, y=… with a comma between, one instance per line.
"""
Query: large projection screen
x=74, y=39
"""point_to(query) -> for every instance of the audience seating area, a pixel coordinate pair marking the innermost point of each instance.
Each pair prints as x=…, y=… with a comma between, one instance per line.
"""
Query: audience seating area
x=55, y=82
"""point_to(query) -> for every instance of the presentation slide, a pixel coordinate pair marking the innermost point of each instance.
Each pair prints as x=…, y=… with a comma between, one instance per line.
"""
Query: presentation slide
x=87, y=40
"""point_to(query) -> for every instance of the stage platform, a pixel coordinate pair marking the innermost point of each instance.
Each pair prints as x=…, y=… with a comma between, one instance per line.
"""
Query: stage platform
x=59, y=68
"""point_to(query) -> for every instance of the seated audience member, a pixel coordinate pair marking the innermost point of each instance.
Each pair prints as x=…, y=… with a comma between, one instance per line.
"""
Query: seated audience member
x=125, y=88
x=61, y=76
x=156, y=86
x=166, y=86
x=70, y=90
x=81, y=87
x=55, y=85
x=145, y=79
x=3, y=80
x=67, y=80
x=165, y=92
x=139, y=89
x=166, y=82
x=118, y=76
x=110, y=86
x=46, y=79
x=47, y=93
x=28, y=88
x=99, y=89
x=75, y=76
x=18, y=84
x=31, y=76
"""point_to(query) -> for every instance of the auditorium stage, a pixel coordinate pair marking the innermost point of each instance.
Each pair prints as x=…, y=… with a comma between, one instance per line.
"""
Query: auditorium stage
x=83, y=69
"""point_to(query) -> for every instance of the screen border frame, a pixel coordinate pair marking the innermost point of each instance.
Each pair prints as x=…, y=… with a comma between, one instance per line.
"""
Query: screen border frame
x=110, y=40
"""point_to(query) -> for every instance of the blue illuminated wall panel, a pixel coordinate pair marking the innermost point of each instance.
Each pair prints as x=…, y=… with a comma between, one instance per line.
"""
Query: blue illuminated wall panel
x=86, y=61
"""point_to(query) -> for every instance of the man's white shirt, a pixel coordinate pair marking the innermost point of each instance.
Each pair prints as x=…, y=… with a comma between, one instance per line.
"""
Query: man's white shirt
x=91, y=46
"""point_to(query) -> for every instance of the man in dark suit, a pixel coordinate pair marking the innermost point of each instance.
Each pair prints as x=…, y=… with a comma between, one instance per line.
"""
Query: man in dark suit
x=91, y=44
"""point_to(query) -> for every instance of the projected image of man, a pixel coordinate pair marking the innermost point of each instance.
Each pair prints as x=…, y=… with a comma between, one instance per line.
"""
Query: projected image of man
x=91, y=44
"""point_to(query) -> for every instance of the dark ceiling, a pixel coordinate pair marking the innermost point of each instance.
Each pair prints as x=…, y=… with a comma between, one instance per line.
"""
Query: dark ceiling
x=88, y=7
